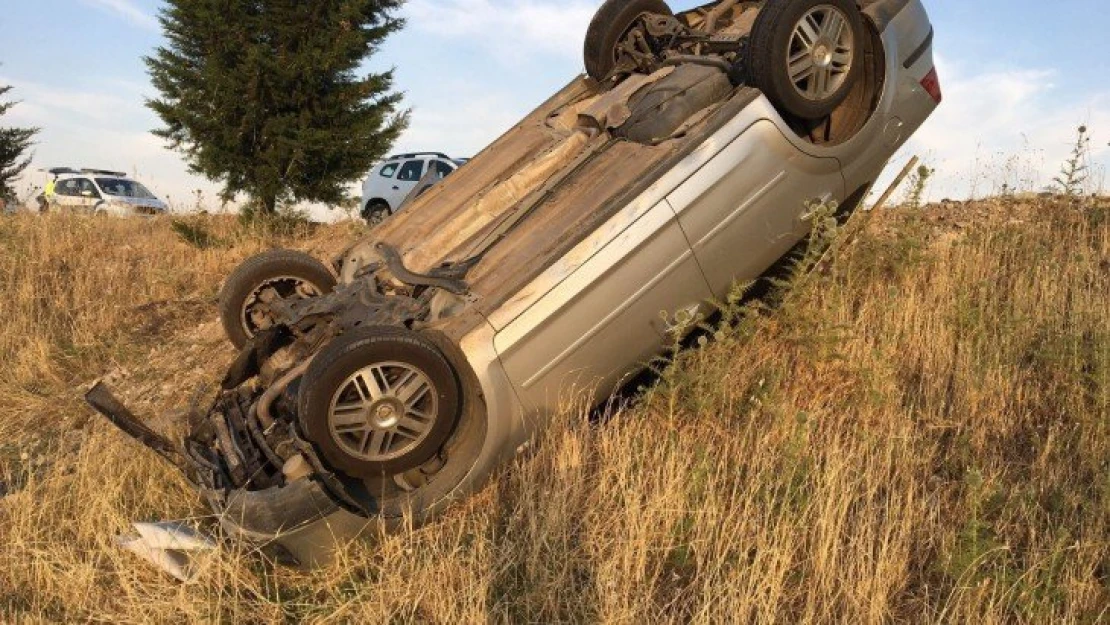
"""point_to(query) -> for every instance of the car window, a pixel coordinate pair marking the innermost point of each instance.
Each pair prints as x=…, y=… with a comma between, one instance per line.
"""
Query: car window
x=443, y=169
x=124, y=188
x=84, y=185
x=411, y=171
x=66, y=187
x=388, y=170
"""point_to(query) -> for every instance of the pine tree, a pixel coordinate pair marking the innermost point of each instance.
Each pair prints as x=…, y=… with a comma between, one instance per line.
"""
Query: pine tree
x=266, y=97
x=14, y=144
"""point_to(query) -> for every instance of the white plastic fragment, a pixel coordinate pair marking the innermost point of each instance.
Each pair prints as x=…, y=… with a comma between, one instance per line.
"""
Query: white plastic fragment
x=171, y=547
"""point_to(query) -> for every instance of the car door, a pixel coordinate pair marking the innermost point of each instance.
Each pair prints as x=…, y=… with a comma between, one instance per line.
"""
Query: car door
x=407, y=176
x=435, y=173
x=602, y=314
x=88, y=194
x=747, y=206
x=443, y=168
x=67, y=194
x=378, y=182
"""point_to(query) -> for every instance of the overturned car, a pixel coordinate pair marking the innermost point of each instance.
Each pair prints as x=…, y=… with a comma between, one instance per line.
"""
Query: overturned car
x=397, y=379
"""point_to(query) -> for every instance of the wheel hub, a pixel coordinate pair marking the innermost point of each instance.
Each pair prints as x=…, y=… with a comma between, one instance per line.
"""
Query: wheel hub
x=822, y=55
x=386, y=414
x=383, y=412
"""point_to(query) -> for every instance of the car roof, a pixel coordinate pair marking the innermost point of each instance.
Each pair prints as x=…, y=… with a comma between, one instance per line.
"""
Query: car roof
x=411, y=155
x=66, y=172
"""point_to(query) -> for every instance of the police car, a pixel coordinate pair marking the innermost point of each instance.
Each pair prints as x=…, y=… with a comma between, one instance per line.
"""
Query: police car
x=103, y=192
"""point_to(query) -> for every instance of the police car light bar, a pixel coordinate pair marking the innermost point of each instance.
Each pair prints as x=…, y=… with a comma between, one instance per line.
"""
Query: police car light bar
x=104, y=172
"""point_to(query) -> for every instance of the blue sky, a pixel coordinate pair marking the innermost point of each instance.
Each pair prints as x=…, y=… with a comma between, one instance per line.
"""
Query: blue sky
x=1019, y=77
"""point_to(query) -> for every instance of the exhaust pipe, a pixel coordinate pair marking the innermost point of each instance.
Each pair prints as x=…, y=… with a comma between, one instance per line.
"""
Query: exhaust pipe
x=100, y=397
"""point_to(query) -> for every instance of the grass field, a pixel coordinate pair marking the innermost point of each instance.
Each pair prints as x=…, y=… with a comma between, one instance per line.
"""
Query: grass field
x=919, y=433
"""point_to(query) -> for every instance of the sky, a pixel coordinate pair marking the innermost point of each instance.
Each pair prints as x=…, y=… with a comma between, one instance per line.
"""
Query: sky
x=1019, y=77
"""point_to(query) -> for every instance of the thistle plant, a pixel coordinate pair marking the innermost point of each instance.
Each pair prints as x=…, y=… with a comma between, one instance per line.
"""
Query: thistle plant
x=918, y=183
x=1075, y=171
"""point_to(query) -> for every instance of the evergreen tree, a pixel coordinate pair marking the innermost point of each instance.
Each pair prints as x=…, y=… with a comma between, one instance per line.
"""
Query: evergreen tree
x=14, y=144
x=265, y=96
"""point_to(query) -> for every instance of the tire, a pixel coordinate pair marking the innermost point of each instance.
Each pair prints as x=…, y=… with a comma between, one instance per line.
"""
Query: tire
x=376, y=211
x=773, y=41
x=291, y=274
x=608, y=27
x=379, y=435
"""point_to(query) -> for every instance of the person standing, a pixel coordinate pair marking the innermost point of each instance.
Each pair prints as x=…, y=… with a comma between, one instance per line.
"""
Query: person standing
x=47, y=197
x=48, y=192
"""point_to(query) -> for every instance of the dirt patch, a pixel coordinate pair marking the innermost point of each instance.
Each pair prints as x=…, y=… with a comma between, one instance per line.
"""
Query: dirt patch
x=155, y=319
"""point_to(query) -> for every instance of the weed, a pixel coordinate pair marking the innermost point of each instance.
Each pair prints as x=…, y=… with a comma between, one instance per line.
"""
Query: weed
x=1074, y=173
x=286, y=222
x=919, y=181
x=196, y=234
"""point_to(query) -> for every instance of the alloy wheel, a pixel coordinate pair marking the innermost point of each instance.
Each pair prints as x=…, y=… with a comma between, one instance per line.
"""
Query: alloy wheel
x=821, y=53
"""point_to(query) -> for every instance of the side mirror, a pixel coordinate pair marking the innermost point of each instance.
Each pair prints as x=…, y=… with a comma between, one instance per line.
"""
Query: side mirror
x=86, y=194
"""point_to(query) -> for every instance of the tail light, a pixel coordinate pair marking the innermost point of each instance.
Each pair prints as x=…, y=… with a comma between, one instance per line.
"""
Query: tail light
x=931, y=84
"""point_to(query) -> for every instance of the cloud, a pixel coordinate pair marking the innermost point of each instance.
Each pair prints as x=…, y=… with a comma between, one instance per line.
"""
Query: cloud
x=49, y=105
x=104, y=126
x=128, y=10
x=472, y=118
x=1011, y=127
x=510, y=30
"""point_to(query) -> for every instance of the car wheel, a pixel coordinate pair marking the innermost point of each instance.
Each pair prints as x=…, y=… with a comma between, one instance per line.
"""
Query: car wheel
x=249, y=291
x=378, y=402
x=612, y=23
x=805, y=55
x=375, y=212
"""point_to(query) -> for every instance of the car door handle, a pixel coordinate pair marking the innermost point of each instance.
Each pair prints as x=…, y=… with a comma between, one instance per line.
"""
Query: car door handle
x=396, y=188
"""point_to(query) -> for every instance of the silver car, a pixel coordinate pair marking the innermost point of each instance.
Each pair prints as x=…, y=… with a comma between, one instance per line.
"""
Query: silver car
x=395, y=380
x=103, y=192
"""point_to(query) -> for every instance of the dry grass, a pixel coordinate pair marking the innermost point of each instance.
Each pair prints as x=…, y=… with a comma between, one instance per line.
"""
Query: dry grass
x=920, y=434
